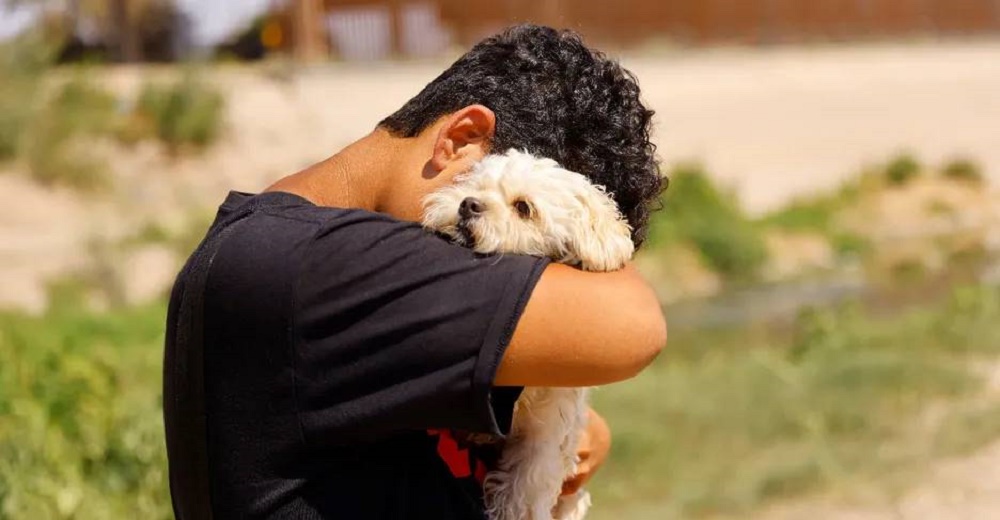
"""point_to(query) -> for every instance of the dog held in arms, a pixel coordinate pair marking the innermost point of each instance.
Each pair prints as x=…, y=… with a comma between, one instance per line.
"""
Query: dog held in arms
x=519, y=203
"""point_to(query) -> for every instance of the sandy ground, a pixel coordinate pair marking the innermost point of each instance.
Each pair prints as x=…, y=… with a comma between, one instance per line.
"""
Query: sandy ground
x=966, y=488
x=783, y=122
x=771, y=123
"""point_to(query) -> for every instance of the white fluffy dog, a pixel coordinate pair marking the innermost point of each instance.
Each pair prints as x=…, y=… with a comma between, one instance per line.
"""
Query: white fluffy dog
x=518, y=203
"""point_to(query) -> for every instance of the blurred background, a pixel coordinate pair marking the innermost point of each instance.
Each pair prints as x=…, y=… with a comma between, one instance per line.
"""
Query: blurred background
x=828, y=256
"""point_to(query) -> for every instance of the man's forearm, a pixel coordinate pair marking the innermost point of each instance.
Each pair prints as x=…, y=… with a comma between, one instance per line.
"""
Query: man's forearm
x=584, y=329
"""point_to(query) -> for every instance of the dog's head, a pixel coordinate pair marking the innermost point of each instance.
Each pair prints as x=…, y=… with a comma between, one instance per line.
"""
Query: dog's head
x=518, y=203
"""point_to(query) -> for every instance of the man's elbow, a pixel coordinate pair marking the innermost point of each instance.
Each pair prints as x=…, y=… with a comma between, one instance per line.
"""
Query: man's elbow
x=654, y=342
x=648, y=339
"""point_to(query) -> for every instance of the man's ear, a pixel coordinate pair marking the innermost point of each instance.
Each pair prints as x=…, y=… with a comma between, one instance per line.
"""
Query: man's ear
x=464, y=135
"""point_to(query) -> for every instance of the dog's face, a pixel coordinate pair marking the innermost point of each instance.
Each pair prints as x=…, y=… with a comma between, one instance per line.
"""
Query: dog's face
x=518, y=203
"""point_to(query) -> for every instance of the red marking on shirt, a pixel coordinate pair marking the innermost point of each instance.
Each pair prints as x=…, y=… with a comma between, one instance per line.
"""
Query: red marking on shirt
x=456, y=458
x=480, y=471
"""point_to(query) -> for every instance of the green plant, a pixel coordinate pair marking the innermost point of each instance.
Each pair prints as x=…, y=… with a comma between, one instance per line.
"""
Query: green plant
x=901, y=169
x=55, y=159
x=818, y=212
x=847, y=243
x=52, y=127
x=968, y=320
x=183, y=240
x=23, y=62
x=804, y=214
x=698, y=212
x=58, y=143
x=732, y=418
x=188, y=112
x=963, y=169
x=82, y=435
x=85, y=107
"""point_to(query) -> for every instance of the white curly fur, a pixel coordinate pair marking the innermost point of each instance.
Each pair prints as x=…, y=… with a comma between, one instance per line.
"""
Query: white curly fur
x=571, y=221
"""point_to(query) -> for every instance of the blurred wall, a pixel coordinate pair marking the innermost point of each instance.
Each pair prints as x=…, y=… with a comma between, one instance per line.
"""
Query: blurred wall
x=743, y=21
x=373, y=29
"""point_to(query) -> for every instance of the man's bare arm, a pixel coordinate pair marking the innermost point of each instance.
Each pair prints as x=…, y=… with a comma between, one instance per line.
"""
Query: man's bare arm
x=584, y=329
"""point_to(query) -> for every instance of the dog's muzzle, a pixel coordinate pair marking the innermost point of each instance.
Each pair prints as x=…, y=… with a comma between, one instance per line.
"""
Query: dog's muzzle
x=465, y=231
x=470, y=209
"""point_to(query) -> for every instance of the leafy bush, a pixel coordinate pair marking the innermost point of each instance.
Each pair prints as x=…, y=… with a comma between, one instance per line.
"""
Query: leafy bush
x=82, y=434
x=804, y=214
x=183, y=239
x=817, y=213
x=962, y=169
x=22, y=64
x=902, y=169
x=969, y=320
x=55, y=158
x=57, y=146
x=187, y=112
x=51, y=130
x=85, y=107
x=697, y=212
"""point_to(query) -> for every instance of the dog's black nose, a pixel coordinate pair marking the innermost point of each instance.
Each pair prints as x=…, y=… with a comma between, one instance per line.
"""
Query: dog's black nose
x=470, y=207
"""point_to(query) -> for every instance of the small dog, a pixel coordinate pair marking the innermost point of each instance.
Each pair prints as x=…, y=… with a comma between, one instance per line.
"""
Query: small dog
x=519, y=203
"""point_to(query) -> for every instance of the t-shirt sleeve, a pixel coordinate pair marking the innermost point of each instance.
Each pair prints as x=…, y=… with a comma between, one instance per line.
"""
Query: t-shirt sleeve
x=397, y=329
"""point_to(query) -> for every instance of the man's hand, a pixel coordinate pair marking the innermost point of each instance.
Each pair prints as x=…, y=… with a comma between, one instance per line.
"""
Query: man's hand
x=595, y=442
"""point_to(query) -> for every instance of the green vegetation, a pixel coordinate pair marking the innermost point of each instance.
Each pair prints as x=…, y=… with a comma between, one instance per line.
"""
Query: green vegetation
x=185, y=113
x=727, y=420
x=732, y=418
x=698, y=213
x=818, y=214
x=902, y=169
x=56, y=144
x=51, y=124
x=823, y=213
x=81, y=435
x=963, y=169
x=183, y=240
x=46, y=125
x=815, y=213
x=21, y=67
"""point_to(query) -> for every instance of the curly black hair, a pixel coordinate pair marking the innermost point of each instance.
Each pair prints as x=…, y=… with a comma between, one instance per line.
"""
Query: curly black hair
x=554, y=97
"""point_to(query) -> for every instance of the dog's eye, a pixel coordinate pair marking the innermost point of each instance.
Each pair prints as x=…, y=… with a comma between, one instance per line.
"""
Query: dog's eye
x=523, y=208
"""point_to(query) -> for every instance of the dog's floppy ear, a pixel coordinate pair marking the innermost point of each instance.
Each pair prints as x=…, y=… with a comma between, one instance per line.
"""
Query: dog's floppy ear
x=604, y=240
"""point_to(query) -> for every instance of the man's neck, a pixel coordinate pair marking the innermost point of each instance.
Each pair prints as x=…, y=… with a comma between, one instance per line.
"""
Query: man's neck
x=355, y=177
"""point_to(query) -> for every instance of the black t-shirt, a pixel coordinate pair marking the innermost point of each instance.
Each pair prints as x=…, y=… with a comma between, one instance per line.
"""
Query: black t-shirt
x=320, y=360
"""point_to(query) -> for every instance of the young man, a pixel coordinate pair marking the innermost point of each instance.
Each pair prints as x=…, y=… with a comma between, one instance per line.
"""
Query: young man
x=325, y=355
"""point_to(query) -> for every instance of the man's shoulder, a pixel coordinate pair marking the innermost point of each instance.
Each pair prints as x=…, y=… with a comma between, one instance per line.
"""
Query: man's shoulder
x=293, y=207
x=282, y=229
x=286, y=215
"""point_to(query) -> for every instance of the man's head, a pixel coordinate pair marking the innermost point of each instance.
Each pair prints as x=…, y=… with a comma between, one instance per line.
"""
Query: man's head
x=540, y=90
